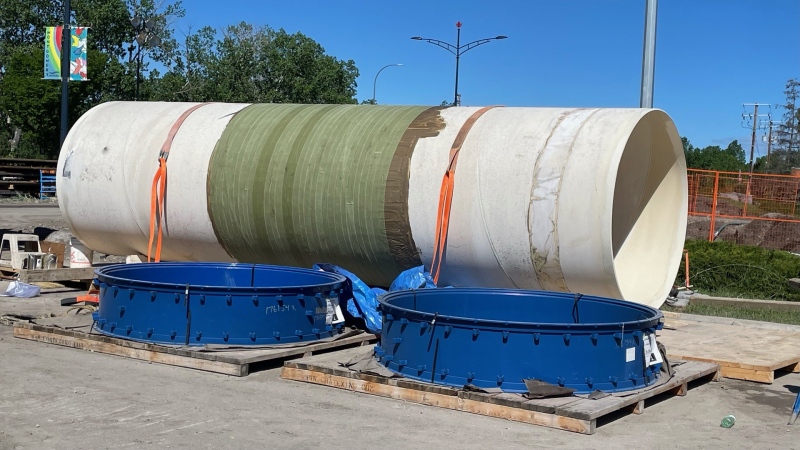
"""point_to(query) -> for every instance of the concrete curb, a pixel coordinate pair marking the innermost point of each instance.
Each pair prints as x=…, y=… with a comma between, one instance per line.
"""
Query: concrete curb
x=777, y=305
x=729, y=321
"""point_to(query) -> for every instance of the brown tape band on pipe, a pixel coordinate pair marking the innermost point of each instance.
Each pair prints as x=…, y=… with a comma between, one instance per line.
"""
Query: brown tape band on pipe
x=398, y=227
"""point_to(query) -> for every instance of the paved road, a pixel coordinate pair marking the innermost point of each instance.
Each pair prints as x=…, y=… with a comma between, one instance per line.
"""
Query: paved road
x=14, y=216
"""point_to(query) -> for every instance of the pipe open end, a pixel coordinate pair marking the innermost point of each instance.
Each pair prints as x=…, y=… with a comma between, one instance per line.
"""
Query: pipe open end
x=650, y=190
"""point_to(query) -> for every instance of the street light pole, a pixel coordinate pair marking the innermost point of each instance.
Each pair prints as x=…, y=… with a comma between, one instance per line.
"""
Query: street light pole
x=458, y=58
x=649, y=54
x=458, y=50
x=375, y=82
x=145, y=36
x=66, y=42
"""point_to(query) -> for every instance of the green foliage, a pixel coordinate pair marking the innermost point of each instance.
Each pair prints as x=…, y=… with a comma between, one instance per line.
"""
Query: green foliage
x=32, y=105
x=259, y=65
x=731, y=270
x=246, y=64
x=729, y=159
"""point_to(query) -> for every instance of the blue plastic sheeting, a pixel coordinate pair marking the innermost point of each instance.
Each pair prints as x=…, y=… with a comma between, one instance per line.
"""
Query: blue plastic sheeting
x=362, y=301
x=416, y=278
x=20, y=289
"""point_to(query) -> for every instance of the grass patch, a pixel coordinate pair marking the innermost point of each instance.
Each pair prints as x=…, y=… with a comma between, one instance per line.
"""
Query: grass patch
x=739, y=312
x=726, y=269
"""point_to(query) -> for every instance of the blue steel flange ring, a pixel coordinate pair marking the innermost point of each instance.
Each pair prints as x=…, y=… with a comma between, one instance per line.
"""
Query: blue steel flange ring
x=198, y=304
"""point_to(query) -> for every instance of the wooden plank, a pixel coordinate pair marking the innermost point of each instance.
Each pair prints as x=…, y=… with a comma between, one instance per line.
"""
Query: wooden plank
x=325, y=370
x=128, y=352
x=248, y=356
x=550, y=405
x=744, y=352
x=739, y=371
x=440, y=400
x=592, y=409
x=227, y=360
x=759, y=376
x=66, y=274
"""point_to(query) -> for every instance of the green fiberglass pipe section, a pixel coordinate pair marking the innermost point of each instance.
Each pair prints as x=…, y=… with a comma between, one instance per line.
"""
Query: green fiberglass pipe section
x=302, y=184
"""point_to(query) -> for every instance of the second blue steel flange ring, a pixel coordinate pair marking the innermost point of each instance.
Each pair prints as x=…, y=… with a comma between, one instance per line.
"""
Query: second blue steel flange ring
x=495, y=338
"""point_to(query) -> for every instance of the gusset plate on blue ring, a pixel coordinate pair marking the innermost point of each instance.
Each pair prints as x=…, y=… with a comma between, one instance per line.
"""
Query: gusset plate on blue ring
x=495, y=338
x=199, y=304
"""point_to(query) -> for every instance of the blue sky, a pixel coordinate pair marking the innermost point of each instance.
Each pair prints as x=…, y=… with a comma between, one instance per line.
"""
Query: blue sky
x=712, y=55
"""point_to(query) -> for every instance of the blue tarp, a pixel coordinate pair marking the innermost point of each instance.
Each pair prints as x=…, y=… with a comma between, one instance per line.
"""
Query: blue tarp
x=362, y=301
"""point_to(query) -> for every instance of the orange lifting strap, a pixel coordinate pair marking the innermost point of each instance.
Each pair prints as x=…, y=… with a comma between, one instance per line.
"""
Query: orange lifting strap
x=446, y=194
x=158, y=191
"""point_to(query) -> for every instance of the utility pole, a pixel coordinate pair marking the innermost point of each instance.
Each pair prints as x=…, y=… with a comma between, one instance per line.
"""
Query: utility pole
x=753, y=138
x=66, y=43
x=754, y=118
x=649, y=54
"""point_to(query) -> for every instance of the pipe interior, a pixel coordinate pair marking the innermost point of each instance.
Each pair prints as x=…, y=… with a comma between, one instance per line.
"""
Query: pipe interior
x=650, y=189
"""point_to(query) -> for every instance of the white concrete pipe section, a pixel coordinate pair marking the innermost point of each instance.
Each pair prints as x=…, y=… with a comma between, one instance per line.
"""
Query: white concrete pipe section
x=106, y=168
x=580, y=200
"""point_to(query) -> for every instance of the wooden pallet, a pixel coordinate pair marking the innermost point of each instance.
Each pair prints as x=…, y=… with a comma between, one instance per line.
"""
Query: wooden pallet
x=236, y=363
x=743, y=352
x=566, y=413
x=46, y=275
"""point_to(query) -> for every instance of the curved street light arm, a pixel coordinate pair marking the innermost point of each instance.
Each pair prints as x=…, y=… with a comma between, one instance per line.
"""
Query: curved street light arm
x=449, y=47
x=473, y=44
x=375, y=82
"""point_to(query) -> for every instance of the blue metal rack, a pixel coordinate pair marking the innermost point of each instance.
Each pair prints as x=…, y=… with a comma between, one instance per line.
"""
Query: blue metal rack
x=47, y=183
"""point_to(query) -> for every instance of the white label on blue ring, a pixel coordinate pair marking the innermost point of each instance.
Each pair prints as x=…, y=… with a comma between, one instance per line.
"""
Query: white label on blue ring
x=630, y=354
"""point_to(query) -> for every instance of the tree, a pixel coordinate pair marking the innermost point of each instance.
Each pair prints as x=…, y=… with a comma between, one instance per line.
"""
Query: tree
x=729, y=159
x=787, y=134
x=786, y=150
x=256, y=65
x=29, y=105
x=247, y=64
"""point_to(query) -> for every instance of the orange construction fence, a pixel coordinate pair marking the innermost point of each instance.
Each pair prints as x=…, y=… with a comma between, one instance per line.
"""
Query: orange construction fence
x=751, y=209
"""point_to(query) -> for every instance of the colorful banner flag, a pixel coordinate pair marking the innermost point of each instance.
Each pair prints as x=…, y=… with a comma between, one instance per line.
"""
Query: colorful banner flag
x=77, y=54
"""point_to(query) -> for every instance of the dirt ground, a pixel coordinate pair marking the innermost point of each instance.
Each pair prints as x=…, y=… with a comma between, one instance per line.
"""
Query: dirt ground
x=760, y=233
x=63, y=398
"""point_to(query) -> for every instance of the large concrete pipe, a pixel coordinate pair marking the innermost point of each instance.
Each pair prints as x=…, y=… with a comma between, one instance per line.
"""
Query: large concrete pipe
x=562, y=199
